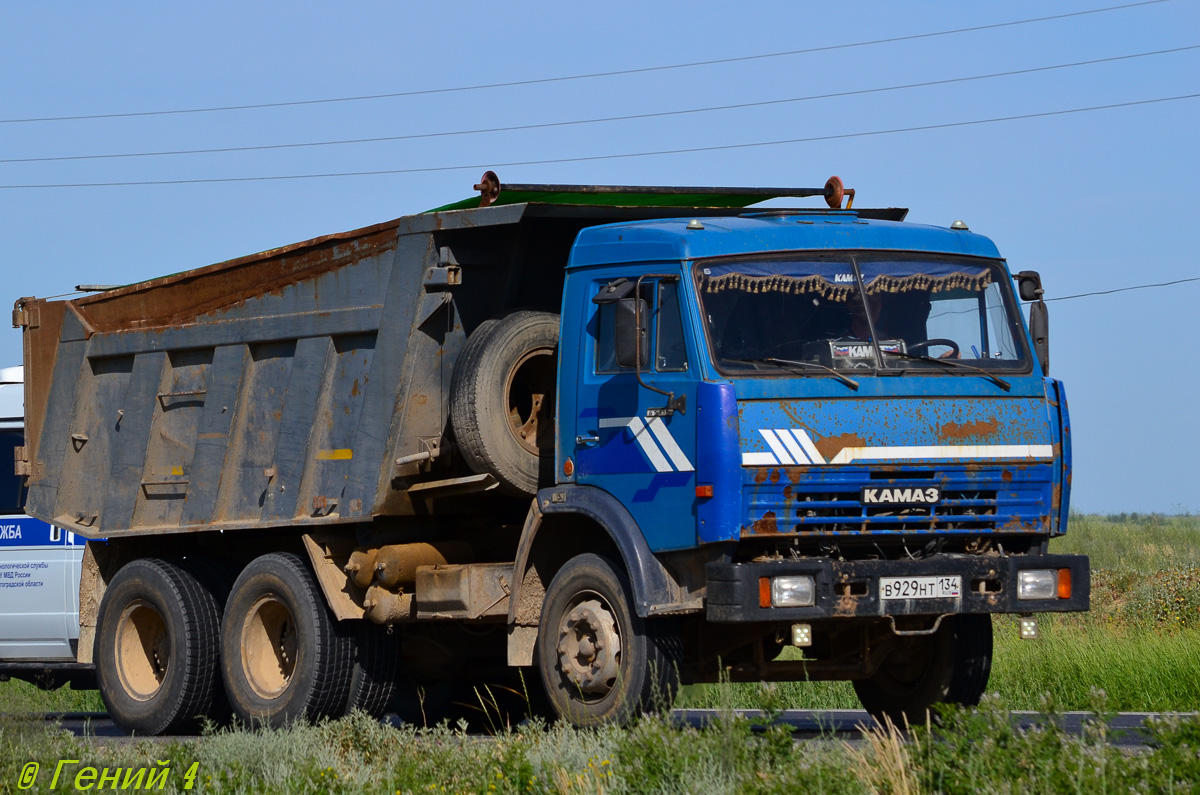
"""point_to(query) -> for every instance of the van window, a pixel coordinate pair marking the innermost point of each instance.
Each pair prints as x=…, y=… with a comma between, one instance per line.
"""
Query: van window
x=12, y=487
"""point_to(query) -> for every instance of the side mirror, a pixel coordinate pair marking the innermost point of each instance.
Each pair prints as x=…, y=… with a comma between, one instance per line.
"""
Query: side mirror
x=1039, y=329
x=1029, y=285
x=632, y=339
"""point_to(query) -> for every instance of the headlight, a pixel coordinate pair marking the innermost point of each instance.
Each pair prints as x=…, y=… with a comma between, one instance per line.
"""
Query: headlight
x=1037, y=584
x=793, y=591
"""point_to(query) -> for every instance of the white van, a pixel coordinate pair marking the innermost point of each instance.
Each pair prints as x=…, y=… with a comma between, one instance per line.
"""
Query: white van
x=39, y=567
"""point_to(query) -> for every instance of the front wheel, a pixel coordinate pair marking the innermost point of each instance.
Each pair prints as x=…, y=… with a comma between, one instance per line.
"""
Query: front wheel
x=284, y=657
x=599, y=661
x=950, y=666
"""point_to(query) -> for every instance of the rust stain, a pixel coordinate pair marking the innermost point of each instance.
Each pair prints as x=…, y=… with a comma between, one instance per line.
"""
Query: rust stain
x=354, y=388
x=795, y=473
x=967, y=430
x=760, y=475
x=183, y=297
x=1006, y=475
x=766, y=525
x=830, y=446
x=774, y=476
x=787, y=492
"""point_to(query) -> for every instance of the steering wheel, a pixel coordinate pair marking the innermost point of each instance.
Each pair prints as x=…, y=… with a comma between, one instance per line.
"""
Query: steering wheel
x=920, y=346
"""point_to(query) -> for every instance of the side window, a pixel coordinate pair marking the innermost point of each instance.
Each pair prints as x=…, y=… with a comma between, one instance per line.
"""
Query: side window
x=666, y=329
x=671, y=353
x=12, y=488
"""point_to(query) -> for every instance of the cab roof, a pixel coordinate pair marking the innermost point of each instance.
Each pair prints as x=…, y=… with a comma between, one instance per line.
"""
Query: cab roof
x=685, y=238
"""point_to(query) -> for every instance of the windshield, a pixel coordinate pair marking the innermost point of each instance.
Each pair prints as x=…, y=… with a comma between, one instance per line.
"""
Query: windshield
x=927, y=313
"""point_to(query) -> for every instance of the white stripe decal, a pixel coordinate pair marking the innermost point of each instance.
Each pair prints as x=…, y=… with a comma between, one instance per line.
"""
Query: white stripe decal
x=785, y=436
x=848, y=454
x=758, y=460
x=660, y=431
x=809, y=448
x=642, y=435
x=776, y=447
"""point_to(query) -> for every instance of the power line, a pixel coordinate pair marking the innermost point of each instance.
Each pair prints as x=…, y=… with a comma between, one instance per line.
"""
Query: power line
x=593, y=158
x=587, y=76
x=1124, y=289
x=575, y=122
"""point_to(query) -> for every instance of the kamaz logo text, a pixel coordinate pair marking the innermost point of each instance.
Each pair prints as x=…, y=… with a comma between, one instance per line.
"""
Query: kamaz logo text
x=895, y=496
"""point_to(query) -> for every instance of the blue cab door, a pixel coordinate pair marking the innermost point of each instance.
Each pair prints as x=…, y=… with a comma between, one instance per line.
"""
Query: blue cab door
x=622, y=443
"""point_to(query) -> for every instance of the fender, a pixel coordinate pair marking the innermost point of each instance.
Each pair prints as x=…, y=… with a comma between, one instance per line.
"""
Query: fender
x=652, y=585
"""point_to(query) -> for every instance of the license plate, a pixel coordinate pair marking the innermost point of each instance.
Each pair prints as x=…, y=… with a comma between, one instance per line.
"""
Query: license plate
x=920, y=587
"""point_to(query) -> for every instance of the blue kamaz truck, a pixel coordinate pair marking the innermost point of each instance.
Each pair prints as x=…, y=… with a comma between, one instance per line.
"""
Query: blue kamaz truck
x=614, y=439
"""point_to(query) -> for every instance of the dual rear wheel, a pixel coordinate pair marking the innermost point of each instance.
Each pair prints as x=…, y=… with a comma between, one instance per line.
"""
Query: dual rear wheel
x=172, y=651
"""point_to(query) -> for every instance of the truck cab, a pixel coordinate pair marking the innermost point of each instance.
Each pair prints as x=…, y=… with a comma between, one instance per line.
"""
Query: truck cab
x=845, y=417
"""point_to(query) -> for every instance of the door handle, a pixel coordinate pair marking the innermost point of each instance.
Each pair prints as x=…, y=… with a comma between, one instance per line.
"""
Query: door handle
x=586, y=440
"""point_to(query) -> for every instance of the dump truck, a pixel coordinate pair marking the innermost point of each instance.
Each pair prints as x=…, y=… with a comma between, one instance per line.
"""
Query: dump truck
x=599, y=440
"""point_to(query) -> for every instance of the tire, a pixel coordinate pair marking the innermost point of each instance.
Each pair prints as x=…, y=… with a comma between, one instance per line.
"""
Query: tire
x=502, y=399
x=600, y=663
x=156, y=663
x=951, y=666
x=376, y=669
x=285, y=659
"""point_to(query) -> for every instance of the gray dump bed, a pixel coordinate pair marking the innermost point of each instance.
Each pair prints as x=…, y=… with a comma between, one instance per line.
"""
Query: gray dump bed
x=280, y=388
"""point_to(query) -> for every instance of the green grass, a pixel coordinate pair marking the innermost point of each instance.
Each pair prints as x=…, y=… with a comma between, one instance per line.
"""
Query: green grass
x=976, y=751
x=1138, y=542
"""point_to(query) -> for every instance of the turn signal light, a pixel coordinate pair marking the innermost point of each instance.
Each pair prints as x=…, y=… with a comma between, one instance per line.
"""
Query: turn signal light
x=704, y=491
x=1064, y=583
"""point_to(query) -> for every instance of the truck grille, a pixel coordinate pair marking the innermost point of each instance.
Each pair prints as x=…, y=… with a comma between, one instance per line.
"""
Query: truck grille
x=821, y=502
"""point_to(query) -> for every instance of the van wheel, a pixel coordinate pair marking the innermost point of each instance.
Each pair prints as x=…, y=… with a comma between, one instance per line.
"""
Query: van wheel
x=156, y=664
x=951, y=666
x=502, y=399
x=599, y=661
x=284, y=657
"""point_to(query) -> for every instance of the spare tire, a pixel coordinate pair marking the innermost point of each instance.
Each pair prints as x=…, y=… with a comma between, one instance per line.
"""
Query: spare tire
x=502, y=399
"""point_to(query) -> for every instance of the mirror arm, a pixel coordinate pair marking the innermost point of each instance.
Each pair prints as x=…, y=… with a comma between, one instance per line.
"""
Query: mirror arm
x=673, y=403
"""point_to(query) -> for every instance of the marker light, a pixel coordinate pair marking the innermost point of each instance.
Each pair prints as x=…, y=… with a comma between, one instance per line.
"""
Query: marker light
x=1037, y=584
x=802, y=635
x=1029, y=628
x=793, y=592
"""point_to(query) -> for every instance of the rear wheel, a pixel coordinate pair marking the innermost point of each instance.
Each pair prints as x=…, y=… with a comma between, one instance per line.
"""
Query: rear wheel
x=376, y=667
x=156, y=664
x=951, y=666
x=285, y=658
x=599, y=661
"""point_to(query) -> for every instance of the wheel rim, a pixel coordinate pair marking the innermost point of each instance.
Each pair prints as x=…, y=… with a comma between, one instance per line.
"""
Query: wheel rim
x=905, y=667
x=589, y=646
x=529, y=393
x=269, y=646
x=143, y=650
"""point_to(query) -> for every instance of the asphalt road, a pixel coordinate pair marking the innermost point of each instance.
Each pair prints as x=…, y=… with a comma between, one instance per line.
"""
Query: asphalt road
x=846, y=724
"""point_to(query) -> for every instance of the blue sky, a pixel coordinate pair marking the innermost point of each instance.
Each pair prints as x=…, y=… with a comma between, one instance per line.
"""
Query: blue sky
x=1094, y=200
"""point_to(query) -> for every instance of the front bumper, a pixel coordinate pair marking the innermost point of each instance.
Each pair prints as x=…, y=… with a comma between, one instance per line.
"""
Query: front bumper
x=850, y=589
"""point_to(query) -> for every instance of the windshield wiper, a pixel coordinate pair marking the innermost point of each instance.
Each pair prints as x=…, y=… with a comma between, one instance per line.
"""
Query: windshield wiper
x=850, y=382
x=1000, y=382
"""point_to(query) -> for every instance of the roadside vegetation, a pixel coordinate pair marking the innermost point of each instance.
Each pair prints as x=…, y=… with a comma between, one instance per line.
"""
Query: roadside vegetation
x=1137, y=650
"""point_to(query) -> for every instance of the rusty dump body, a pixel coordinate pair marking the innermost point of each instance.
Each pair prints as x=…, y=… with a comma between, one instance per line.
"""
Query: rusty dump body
x=299, y=386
